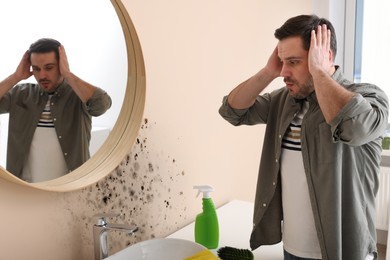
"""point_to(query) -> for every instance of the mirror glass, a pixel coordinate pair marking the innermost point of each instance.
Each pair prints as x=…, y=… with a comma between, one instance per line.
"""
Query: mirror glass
x=92, y=35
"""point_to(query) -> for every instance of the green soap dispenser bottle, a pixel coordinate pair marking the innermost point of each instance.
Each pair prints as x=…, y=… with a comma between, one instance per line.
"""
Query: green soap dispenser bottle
x=206, y=223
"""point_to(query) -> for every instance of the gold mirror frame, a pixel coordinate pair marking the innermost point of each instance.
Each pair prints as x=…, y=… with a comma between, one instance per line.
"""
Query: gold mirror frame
x=125, y=130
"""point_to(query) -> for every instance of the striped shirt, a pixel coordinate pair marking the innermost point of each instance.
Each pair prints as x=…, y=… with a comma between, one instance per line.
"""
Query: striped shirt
x=46, y=119
x=292, y=138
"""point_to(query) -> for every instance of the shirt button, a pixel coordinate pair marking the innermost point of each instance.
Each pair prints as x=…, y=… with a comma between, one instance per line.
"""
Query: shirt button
x=280, y=136
x=59, y=137
x=54, y=119
x=276, y=160
x=274, y=183
x=264, y=205
x=52, y=104
x=65, y=154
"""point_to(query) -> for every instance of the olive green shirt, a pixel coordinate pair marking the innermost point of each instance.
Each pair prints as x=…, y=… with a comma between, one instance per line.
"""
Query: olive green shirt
x=341, y=162
x=72, y=121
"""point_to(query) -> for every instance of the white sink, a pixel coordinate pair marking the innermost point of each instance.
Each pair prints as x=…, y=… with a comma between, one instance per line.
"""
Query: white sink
x=161, y=249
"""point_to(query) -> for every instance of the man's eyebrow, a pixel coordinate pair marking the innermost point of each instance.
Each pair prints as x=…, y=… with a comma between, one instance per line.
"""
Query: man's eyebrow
x=47, y=64
x=294, y=58
x=288, y=59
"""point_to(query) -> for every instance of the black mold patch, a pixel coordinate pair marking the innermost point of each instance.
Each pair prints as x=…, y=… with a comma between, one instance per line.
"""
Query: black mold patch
x=144, y=189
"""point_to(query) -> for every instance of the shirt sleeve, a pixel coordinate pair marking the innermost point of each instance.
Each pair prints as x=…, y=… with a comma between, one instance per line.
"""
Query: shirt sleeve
x=99, y=103
x=256, y=114
x=5, y=103
x=230, y=114
x=363, y=119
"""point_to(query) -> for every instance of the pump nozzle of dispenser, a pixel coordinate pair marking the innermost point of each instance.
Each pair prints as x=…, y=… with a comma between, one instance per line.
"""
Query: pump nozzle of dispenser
x=206, y=189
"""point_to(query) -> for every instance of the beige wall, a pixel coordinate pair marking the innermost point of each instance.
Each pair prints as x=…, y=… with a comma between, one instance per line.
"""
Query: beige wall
x=195, y=51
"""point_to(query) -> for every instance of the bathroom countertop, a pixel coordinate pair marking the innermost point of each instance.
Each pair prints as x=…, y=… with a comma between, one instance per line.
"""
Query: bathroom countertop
x=235, y=226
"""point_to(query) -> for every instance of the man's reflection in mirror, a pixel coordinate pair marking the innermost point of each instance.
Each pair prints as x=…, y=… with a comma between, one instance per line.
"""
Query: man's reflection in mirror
x=49, y=122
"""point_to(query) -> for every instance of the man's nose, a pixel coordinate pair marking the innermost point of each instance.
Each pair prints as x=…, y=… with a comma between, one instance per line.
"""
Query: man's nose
x=285, y=72
x=42, y=74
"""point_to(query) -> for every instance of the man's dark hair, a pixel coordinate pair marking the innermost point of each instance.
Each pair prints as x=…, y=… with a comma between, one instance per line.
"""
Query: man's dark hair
x=301, y=26
x=44, y=45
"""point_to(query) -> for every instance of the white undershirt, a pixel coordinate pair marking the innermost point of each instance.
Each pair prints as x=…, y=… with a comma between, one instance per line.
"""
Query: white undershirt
x=45, y=160
x=299, y=232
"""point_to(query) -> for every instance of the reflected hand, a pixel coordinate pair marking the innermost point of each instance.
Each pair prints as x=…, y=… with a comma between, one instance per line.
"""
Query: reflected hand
x=63, y=62
x=23, y=71
x=320, y=54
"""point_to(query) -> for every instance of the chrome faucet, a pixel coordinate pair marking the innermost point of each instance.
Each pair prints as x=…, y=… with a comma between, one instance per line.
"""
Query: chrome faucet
x=100, y=232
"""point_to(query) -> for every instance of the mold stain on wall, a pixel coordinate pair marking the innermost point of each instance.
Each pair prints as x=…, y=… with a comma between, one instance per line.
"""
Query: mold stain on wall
x=145, y=190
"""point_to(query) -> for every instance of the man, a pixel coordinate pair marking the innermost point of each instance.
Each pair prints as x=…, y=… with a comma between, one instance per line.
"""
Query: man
x=49, y=122
x=319, y=169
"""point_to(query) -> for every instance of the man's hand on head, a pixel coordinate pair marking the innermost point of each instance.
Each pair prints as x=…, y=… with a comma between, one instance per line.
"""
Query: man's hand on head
x=23, y=71
x=63, y=62
x=320, y=55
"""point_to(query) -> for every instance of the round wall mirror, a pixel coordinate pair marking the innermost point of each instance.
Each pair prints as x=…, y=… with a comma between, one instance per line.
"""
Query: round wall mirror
x=126, y=85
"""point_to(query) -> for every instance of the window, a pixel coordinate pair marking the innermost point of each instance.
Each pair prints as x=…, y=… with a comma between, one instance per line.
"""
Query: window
x=372, y=37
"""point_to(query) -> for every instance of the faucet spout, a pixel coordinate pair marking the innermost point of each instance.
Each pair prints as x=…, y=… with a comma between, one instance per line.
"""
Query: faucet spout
x=100, y=234
x=122, y=227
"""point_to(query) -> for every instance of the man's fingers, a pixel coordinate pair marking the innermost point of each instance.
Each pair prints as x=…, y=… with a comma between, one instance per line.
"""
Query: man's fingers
x=324, y=35
x=313, y=38
x=25, y=55
x=321, y=37
x=328, y=39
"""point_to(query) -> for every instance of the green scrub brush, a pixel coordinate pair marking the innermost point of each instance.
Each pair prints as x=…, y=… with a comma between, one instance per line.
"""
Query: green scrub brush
x=231, y=253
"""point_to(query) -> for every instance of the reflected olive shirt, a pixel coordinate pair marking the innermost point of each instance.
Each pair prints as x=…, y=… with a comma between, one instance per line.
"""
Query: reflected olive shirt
x=341, y=163
x=72, y=121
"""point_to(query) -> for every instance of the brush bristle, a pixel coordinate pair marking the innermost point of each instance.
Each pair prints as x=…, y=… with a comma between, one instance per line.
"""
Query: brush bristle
x=231, y=253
